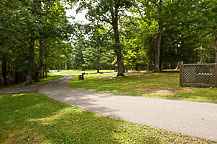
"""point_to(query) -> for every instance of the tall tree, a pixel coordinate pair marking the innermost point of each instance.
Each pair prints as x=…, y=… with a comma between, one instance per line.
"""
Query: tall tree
x=109, y=11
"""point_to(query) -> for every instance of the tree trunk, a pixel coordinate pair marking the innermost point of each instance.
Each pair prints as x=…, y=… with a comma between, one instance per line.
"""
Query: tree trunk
x=40, y=66
x=0, y=80
x=36, y=78
x=216, y=50
x=4, y=70
x=98, y=63
x=45, y=70
x=41, y=57
x=98, y=69
x=118, y=50
x=158, y=49
x=158, y=41
x=17, y=80
x=68, y=65
x=31, y=62
x=215, y=33
x=137, y=67
x=42, y=72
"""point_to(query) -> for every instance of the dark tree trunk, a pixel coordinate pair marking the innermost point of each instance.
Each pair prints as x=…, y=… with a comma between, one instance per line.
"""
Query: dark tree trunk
x=118, y=50
x=215, y=33
x=45, y=70
x=98, y=70
x=36, y=78
x=31, y=62
x=158, y=41
x=4, y=70
x=120, y=63
x=40, y=66
x=68, y=65
x=41, y=57
x=98, y=64
x=216, y=50
x=0, y=80
x=137, y=67
x=42, y=72
x=17, y=80
x=158, y=49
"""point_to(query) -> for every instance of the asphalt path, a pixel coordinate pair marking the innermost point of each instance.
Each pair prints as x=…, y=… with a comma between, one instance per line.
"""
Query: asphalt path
x=189, y=118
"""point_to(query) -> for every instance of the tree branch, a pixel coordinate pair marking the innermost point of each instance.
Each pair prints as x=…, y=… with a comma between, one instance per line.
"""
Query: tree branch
x=106, y=34
x=105, y=20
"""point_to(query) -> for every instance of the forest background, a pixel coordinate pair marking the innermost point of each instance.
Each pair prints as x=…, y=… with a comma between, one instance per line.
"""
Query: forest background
x=38, y=35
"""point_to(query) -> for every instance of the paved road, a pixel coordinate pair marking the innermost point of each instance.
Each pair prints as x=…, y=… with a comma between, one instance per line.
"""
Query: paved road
x=190, y=118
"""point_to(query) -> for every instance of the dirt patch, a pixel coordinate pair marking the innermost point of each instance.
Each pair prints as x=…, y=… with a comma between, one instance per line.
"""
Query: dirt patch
x=164, y=92
x=145, y=88
x=156, y=89
x=114, y=75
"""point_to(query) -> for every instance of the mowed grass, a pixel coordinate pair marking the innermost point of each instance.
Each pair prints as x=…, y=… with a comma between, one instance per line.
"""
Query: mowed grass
x=49, y=78
x=88, y=72
x=148, y=84
x=34, y=118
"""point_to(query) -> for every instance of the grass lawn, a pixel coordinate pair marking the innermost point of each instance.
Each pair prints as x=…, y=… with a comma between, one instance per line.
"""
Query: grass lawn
x=148, y=84
x=50, y=77
x=79, y=72
x=34, y=118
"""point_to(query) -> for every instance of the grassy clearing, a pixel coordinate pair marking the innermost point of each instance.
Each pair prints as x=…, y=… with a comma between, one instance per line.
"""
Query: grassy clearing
x=156, y=85
x=34, y=118
x=50, y=77
x=79, y=72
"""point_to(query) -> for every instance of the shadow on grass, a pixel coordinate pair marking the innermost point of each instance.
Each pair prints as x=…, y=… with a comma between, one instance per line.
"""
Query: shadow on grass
x=34, y=118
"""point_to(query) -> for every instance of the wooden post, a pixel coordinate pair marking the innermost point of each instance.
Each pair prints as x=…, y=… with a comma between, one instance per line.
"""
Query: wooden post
x=181, y=73
x=216, y=75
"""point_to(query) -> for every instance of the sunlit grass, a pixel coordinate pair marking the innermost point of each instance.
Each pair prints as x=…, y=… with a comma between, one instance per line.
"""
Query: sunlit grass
x=50, y=77
x=148, y=84
x=88, y=72
x=34, y=118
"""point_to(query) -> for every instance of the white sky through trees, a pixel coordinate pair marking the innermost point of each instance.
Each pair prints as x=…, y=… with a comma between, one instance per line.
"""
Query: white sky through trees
x=79, y=17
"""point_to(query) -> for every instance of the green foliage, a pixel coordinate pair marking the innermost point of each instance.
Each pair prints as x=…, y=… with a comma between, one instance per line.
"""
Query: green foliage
x=26, y=22
x=120, y=33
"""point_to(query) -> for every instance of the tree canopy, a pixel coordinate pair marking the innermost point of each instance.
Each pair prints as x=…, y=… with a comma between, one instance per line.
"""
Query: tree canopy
x=36, y=36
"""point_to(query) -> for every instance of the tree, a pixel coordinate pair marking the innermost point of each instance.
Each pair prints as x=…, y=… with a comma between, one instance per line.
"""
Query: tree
x=26, y=27
x=109, y=12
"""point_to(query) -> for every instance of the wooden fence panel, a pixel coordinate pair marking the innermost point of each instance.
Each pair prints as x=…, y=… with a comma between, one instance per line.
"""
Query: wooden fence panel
x=181, y=73
x=216, y=75
x=198, y=75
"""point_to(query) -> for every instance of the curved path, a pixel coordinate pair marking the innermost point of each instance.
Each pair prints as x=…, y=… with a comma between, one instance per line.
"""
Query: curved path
x=190, y=118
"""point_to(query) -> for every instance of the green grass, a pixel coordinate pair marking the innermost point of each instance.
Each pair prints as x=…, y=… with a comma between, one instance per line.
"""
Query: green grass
x=156, y=85
x=79, y=72
x=34, y=118
x=50, y=77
